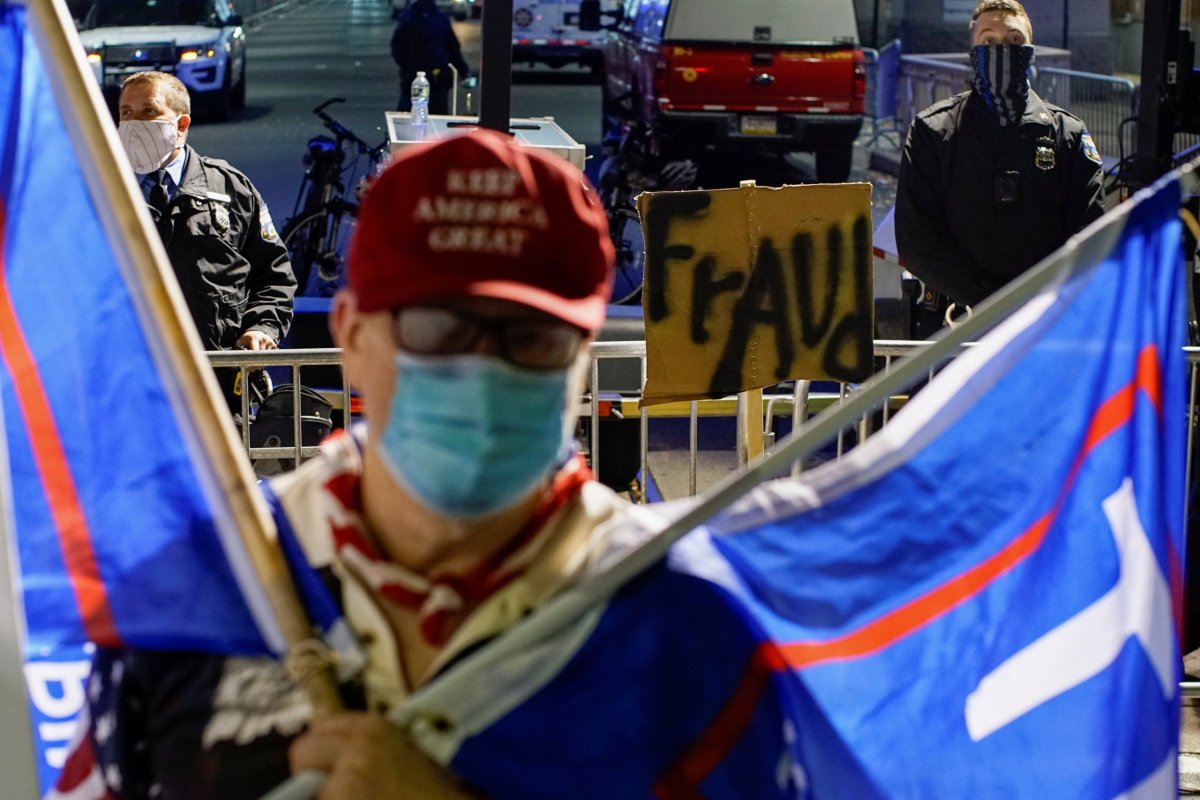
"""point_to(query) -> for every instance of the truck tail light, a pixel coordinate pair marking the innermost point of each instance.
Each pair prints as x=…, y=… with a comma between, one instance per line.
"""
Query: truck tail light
x=860, y=75
x=662, y=68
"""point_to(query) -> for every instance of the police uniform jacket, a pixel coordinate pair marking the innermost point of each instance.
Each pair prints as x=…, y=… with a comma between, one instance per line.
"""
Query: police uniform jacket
x=230, y=262
x=978, y=204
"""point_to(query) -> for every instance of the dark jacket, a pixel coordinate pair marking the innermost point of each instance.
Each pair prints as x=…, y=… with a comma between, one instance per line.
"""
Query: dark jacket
x=230, y=263
x=424, y=41
x=973, y=207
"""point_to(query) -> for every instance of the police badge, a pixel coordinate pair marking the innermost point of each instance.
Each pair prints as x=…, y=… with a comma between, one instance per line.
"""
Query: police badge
x=220, y=217
x=1043, y=154
x=218, y=207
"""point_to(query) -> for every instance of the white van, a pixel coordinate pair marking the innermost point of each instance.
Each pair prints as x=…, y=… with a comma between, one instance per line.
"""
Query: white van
x=547, y=31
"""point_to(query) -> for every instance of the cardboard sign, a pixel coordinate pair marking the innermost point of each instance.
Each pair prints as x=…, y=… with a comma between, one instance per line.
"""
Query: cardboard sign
x=748, y=287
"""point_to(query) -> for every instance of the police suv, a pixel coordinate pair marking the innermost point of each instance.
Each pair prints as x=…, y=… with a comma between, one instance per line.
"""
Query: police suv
x=200, y=41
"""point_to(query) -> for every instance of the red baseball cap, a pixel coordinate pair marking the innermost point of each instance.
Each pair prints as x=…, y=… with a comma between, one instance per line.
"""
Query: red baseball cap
x=478, y=214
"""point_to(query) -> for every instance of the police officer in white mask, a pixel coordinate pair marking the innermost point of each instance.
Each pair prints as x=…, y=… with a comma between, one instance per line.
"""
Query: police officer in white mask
x=231, y=265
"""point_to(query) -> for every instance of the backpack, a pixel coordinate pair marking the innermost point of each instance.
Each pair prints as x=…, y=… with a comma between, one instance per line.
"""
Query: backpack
x=273, y=425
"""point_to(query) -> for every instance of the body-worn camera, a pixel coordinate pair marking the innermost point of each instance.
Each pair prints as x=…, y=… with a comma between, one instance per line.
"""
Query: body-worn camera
x=1008, y=186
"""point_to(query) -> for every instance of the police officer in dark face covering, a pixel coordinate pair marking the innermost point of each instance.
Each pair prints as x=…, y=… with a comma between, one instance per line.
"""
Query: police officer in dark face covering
x=994, y=179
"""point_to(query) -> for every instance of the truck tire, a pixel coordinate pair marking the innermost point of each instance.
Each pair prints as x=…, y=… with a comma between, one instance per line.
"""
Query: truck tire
x=219, y=104
x=610, y=114
x=833, y=163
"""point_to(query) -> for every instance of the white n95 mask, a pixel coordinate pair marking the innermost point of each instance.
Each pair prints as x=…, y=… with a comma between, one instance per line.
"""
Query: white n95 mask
x=148, y=142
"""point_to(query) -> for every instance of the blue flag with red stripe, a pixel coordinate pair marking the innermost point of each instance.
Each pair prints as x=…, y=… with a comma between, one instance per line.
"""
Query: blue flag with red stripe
x=115, y=536
x=981, y=600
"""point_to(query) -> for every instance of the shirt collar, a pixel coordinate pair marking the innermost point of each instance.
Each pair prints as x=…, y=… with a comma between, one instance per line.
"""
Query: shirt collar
x=174, y=169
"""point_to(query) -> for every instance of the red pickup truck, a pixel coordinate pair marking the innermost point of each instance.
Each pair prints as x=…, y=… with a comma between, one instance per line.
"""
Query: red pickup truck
x=724, y=75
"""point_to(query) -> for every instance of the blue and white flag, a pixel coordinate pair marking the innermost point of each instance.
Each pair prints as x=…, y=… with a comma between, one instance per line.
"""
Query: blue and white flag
x=117, y=540
x=981, y=600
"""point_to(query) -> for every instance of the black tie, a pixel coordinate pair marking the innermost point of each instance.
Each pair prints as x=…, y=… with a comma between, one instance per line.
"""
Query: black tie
x=159, y=197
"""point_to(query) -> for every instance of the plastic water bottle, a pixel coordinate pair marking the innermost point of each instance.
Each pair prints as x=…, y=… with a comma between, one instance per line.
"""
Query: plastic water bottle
x=420, y=99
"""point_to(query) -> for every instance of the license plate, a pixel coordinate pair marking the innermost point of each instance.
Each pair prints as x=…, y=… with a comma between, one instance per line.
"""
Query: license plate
x=757, y=125
x=118, y=78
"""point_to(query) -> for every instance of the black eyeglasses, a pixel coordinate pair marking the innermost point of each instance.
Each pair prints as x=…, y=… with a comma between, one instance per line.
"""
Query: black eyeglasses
x=536, y=343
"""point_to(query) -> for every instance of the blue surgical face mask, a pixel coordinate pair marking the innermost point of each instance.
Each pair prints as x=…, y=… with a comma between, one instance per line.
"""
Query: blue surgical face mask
x=1002, y=78
x=472, y=434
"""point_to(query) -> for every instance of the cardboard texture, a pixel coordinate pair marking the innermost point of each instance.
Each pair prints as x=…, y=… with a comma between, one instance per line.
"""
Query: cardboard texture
x=748, y=287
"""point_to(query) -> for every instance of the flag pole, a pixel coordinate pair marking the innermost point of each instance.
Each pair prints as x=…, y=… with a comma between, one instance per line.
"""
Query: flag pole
x=175, y=345
x=1081, y=253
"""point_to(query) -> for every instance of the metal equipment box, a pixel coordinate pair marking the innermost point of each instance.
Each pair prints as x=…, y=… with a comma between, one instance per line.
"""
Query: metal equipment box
x=540, y=132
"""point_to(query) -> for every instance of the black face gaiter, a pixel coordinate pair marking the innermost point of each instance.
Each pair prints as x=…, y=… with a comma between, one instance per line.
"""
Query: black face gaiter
x=1002, y=78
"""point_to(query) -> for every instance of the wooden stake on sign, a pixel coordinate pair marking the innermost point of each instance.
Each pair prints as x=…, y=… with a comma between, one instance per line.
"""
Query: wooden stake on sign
x=228, y=483
x=749, y=409
x=749, y=426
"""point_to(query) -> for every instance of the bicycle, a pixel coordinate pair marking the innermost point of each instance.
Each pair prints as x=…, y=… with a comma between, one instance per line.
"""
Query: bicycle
x=317, y=233
x=630, y=168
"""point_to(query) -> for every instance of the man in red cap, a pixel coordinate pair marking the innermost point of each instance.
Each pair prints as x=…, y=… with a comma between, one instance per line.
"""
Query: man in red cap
x=477, y=275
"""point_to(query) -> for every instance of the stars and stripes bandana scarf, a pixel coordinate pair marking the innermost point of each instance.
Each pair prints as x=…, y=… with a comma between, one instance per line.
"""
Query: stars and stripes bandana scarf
x=1002, y=78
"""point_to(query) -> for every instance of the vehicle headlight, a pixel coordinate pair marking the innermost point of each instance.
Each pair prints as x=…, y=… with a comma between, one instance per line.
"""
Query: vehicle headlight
x=197, y=53
x=94, y=57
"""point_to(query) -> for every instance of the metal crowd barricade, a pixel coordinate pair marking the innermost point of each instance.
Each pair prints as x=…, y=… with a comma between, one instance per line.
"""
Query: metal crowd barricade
x=796, y=399
x=1105, y=103
x=883, y=73
x=923, y=81
x=249, y=360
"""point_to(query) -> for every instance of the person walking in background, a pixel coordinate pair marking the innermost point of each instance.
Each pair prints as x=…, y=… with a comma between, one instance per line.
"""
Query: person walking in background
x=994, y=179
x=424, y=41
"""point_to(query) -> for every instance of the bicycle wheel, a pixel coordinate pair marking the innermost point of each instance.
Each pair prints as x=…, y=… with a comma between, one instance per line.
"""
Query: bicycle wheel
x=302, y=237
x=625, y=228
x=316, y=244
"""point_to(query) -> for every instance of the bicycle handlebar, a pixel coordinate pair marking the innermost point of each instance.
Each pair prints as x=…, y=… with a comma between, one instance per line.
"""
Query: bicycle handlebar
x=341, y=131
x=328, y=103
